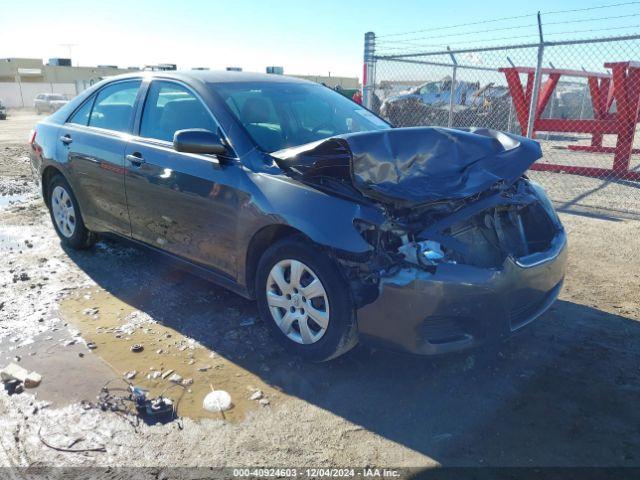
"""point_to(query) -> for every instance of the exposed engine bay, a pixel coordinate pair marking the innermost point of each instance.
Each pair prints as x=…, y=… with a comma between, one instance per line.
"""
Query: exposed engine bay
x=448, y=196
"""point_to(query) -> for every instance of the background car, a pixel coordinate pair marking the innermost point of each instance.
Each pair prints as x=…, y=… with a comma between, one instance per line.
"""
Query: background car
x=49, y=102
x=429, y=104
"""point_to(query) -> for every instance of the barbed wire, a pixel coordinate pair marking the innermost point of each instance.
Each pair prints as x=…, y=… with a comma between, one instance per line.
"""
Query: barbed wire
x=504, y=38
x=413, y=41
x=501, y=19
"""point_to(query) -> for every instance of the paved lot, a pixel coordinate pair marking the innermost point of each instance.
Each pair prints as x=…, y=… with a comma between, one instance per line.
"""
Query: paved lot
x=563, y=393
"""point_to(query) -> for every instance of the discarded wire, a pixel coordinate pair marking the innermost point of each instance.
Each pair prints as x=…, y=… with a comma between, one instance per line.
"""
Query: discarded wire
x=100, y=448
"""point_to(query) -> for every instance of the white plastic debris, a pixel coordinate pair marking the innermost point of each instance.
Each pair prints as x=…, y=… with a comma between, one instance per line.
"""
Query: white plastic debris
x=16, y=372
x=217, y=401
x=257, y=395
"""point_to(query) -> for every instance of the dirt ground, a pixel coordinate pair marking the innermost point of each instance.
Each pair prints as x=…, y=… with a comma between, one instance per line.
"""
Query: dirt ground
x=563, y=393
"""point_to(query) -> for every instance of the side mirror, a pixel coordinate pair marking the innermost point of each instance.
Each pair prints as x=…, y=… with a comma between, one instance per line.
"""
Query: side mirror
x=198, y=140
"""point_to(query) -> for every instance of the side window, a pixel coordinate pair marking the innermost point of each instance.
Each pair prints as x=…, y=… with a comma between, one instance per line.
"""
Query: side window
x=170, y=107
x=113, y=107
x=81, y=116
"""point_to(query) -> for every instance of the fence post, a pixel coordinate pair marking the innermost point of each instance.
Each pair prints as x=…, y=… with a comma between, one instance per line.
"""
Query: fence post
x=368, y=75
x=453, y=88
x=536, y=83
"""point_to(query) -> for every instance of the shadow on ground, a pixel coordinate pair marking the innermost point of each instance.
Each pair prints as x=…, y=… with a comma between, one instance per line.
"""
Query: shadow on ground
x=563, y=393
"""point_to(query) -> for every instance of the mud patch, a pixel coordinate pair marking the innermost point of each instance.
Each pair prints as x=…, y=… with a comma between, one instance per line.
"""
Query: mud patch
x=114, y=326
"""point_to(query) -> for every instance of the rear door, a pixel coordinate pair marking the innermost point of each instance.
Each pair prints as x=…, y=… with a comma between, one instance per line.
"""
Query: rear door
x=184, y=203
x=93, y=142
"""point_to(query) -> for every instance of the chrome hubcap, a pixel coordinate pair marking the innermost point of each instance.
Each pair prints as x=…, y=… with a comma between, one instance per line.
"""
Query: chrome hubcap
x=297, y=301
x=63, y=212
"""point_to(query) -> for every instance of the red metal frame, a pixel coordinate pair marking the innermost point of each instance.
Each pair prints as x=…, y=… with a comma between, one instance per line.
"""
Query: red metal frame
x=622, y=85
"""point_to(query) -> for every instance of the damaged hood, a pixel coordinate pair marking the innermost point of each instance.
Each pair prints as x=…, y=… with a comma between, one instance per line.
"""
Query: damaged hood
x=416, y=165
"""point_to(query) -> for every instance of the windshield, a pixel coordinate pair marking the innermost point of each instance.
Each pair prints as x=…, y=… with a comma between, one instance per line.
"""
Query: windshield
x=283, y=115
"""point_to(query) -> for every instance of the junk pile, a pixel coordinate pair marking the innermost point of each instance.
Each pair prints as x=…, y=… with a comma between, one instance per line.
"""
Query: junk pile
x=134, y=402
x=16, y=379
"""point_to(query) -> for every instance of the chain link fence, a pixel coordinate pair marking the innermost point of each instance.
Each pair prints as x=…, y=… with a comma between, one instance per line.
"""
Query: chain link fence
x=578, y=98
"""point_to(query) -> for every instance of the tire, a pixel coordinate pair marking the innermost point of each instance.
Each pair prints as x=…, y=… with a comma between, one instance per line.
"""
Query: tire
x=65, y=215
x=333, y=303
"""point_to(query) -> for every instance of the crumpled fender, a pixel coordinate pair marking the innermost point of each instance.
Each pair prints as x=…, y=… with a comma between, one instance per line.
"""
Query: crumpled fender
x=326, y=219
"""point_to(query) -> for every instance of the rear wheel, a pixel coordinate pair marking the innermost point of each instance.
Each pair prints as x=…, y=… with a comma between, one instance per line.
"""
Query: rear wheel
x=305, y=301
x=65, y=215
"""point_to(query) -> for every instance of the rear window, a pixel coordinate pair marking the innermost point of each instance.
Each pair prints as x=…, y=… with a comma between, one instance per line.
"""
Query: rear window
x=113, y=107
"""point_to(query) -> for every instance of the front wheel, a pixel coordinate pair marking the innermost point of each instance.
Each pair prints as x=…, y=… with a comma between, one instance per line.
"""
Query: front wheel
x=305, y=301
x=66, y=217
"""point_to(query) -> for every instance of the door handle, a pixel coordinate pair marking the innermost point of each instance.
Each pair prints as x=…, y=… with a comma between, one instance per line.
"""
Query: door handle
x=66, y=139
x=135, y=159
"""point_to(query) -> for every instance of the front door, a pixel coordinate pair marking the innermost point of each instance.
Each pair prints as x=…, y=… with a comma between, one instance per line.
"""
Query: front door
x=183, y=203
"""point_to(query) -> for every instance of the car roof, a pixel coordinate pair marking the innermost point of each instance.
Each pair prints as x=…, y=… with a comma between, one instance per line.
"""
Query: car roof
x=213, y=76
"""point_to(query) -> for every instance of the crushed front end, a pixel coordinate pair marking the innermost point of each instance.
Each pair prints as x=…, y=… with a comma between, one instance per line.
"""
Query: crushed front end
x=468, y=248
x=482, y=272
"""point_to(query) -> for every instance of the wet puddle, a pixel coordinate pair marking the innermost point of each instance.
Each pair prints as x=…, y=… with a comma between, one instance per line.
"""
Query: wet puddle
x=114, y=326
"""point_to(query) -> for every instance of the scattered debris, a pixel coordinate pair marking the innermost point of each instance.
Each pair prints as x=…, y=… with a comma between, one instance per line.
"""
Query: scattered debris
x=91, y=346
x=257, y=395
x=14, y=372
x=204, y=368
x=217, y=401
x=130, y=375
x=32, y=380
x=14, y=387
x=175, y=378
x=166, y=374
x=137, y=347
x=22, y=277
x=100, y=448
x=187, y=381
x=264, y=402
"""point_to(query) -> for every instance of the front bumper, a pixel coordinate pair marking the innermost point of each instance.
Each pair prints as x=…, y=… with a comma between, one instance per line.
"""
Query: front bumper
x=460, y=306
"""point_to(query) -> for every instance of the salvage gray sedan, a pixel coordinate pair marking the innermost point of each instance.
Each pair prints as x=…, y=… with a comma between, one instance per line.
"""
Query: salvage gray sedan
x=342, y=228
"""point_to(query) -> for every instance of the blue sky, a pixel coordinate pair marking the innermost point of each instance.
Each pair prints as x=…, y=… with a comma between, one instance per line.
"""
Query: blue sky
x=306, y=37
